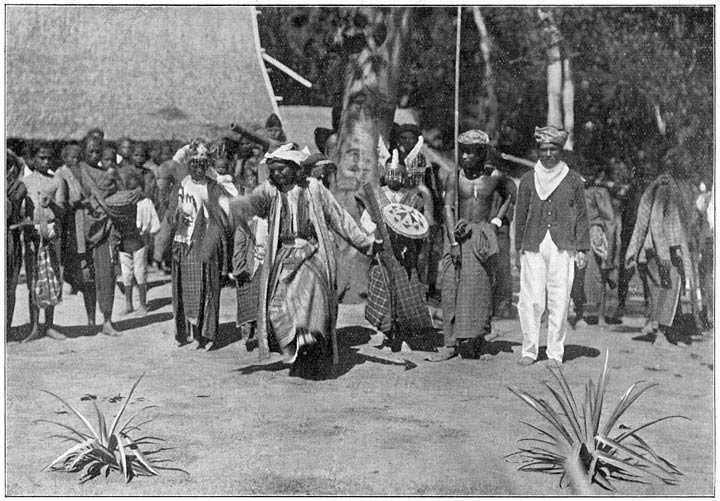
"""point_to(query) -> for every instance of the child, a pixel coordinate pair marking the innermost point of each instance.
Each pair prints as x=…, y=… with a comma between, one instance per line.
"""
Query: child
x=138, y=159
x=42, y=241
x=134, y=243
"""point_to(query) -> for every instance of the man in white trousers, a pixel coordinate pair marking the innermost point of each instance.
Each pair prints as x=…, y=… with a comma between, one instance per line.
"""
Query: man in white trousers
x=551, y=235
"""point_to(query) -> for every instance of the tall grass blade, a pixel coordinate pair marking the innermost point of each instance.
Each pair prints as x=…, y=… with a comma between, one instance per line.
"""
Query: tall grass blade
x=72, y=450
x=646, y=447
x=82, y=436
x=625, y=434
x=629, y=467
x=642, y=460
x=631, y=395
x=542, y=408
x=569, y=414
x=101, y=425
x=567, y=392
x=80, y=416
x=124, y=406
x=543, y=432
x=127, y=423
x=600, y=393
x=124, y=467
x=141, y=457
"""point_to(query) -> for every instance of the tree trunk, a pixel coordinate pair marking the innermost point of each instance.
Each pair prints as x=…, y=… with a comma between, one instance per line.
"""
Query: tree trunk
x=554, y=87
x=554, y=69
x=568, y=94
x=369, y=102
x=489, y=97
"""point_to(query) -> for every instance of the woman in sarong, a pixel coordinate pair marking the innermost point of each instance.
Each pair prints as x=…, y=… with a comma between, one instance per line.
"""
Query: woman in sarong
x=95, y=260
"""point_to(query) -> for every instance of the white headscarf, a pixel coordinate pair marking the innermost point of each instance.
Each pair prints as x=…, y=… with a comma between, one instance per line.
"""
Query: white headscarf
x=547, y=180
x=289, y=153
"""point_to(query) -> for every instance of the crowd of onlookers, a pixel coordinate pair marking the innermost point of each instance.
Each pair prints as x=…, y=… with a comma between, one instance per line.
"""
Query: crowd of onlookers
x=55, y=195
x=97, y=210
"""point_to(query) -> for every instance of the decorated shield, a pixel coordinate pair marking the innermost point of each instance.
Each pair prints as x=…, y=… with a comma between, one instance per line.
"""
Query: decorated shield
x=405, y=220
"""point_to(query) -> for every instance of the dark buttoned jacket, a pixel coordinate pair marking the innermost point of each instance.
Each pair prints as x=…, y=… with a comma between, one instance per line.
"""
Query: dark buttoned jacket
x=563, y=213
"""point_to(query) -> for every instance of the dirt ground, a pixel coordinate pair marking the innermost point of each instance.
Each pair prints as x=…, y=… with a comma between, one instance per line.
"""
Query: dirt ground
x=383, y=424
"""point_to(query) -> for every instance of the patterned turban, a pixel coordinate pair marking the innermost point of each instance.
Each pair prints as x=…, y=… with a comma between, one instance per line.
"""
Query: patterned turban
x=551, y=135
x=474, y=137
x=198, y=150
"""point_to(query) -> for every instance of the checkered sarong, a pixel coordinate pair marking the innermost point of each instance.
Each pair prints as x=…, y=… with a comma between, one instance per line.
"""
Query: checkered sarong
x=248, y=295
x=377, y=307
x=466, y=295
x=192, y=283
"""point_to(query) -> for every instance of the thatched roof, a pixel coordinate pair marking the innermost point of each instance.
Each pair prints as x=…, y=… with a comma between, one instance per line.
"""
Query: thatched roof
x=152, y=72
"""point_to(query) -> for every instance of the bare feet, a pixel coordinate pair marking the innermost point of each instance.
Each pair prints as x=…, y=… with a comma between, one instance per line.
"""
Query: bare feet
x=142, y=311
x=33, y=336
x=526, y=361
x=109, y=330
x=209, y=345
x=444, y=353
x=53, y=334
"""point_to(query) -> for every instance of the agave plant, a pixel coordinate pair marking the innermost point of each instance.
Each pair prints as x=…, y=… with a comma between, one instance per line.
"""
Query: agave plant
x=105, y=448
x=578, y=448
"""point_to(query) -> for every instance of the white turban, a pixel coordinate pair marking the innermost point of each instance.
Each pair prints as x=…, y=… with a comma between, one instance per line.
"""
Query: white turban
x=287, y=152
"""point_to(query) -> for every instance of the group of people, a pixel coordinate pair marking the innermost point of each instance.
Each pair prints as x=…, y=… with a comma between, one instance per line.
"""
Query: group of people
x=259, y=211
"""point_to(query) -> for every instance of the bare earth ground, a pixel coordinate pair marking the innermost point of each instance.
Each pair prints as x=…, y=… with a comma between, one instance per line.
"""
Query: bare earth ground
x=384, y=424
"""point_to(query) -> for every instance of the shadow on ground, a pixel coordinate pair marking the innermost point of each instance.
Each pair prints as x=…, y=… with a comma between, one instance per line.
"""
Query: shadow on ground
x=138, y=322
x=157, y=303
x=227, y=334
x=315, y=363
x=572, y=351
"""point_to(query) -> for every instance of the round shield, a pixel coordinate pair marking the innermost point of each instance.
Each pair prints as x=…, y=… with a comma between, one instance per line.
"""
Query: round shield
x=405, y=221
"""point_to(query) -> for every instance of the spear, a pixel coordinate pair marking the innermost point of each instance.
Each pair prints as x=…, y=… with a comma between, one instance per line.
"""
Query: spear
x=457, y=109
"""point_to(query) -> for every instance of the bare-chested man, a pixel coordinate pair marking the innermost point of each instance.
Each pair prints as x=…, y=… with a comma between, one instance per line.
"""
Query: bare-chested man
x=470, y=250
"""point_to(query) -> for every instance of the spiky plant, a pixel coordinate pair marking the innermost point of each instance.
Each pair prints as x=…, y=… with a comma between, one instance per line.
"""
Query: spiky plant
x=578, y=448
x=106, y=448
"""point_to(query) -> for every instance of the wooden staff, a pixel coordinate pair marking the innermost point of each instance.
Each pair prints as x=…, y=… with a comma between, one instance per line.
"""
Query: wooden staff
x=457, y=110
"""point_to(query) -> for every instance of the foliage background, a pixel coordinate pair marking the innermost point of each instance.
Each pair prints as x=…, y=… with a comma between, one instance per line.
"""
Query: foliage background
x=626, y=60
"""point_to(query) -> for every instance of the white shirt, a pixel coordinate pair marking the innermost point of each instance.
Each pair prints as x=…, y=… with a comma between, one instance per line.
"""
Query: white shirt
x=192, y=197
x=147, y=218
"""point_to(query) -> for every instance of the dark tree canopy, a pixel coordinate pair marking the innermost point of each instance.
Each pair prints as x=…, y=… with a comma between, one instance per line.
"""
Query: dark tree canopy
x=631, y=66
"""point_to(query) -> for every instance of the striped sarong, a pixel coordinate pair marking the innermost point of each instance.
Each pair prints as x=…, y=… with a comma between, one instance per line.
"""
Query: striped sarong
x=299, y=304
